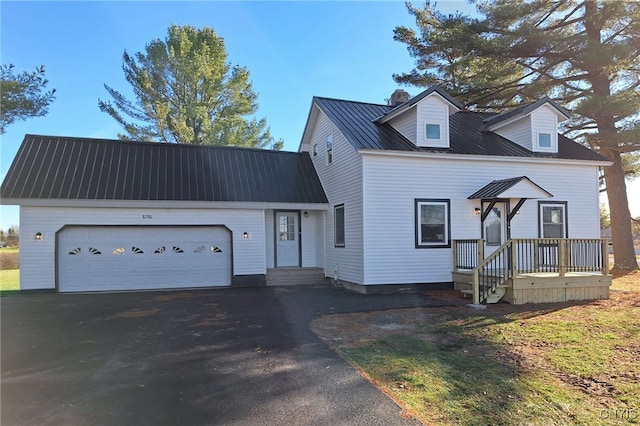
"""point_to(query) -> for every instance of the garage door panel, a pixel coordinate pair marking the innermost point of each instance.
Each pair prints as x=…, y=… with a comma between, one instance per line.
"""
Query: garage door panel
x=136, y=258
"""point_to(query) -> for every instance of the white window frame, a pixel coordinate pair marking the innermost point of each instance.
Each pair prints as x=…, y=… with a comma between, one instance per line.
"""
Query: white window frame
x=315, y=149
x=426, y=132
x=329, y=148
x=445, y=241
x=339, y=226
x=565, y=218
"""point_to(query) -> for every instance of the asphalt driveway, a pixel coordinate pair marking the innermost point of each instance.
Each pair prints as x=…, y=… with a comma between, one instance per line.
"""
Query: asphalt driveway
x=241, y=356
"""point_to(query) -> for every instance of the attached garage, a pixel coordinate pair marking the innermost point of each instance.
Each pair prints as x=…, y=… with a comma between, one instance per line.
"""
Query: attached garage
x=108, y=215
x=119, y=258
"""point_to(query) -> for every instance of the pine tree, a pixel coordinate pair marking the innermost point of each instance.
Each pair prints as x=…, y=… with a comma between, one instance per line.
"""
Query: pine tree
x=187, y=92
x=585, y=55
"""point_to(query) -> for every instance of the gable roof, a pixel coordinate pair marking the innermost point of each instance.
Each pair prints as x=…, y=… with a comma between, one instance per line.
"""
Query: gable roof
x=516, y=187
x=495, y=120
x=357, y=121
x=50, y=167
x=399, y=109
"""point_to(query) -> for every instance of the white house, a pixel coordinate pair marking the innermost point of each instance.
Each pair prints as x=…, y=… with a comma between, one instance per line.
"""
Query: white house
x=405, y=181
x=378, y=198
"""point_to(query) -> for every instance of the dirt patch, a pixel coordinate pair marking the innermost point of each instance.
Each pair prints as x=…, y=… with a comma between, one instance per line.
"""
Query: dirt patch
x=172, y=296
x=137, y=313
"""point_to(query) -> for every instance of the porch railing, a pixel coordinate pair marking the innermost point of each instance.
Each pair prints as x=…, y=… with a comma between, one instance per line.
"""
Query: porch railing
x=525, y=256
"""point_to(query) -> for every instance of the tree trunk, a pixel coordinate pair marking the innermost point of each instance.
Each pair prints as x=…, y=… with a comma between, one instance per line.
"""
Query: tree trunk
x=623, y=251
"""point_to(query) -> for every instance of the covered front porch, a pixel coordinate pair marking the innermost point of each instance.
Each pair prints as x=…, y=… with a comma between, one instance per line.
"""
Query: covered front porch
x=532, y=270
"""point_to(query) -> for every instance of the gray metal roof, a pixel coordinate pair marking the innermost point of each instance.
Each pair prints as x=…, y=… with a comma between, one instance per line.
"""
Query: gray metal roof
x=406, y=105
x=524, y=110
x=51, y=167
x=357, y=121
x=496, y=188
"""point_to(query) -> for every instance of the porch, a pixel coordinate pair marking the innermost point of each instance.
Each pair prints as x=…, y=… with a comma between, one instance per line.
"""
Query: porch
x=532, y=270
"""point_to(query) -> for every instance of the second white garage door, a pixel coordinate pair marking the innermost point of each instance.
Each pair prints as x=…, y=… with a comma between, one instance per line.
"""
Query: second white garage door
x=115, y=258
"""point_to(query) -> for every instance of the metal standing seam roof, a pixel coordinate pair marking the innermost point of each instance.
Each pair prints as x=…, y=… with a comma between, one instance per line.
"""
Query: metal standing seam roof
x=357, y=121
x=51, y=167
x=497, y=187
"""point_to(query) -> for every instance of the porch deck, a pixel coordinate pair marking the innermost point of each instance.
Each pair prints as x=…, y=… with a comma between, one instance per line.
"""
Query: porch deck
x=533, y=271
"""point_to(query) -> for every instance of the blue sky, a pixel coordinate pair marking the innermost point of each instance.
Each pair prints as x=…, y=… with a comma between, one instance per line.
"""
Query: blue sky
x=293, y=50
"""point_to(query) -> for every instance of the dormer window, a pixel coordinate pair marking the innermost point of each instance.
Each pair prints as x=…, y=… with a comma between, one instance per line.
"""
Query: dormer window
x=433, y=131
x=544, y=140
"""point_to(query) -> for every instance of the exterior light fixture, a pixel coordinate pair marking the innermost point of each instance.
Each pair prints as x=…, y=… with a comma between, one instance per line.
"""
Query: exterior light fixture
x=477, y=211
x=38, y=236
x=306, y=214
x=245, y=235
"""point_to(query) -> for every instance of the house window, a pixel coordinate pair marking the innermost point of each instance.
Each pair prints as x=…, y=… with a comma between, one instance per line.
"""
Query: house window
x=329, y=149
x=433, y=131
x=315, y=149
x=338, y=214
x=544, y=140
x=433, y=223
x=286, y=228
x=553, y=220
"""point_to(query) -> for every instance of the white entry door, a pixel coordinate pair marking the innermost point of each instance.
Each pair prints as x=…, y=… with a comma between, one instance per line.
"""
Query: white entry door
x=494, y=228
x=287, y=239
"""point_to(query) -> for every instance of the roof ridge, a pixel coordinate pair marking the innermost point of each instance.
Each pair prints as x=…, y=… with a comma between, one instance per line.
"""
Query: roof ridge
x=167, y=144
x=350, y=101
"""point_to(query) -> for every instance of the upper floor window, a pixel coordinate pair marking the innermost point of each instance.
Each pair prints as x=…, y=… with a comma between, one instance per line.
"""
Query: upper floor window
x=329, y=148
x=315, y=149
x=544, y=140
x=432, y=131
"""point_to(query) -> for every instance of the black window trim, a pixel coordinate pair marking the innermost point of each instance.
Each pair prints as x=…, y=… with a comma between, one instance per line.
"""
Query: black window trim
x=566, y=217
x=416, y=224
x=335, y=226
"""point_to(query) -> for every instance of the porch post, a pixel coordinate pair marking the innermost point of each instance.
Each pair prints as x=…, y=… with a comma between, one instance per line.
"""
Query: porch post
x=480, y=247
x=562, y=254
x=604, y=246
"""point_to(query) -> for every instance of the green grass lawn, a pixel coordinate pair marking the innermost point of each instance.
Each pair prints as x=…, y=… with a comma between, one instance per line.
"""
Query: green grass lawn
x=562, y=364
x=9, y=280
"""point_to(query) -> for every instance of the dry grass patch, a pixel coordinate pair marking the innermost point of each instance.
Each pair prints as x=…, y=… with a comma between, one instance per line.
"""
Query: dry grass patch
x=9, y=258
x=551, y=364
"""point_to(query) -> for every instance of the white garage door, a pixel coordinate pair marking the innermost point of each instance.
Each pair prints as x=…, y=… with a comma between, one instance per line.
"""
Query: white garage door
x=112, y=258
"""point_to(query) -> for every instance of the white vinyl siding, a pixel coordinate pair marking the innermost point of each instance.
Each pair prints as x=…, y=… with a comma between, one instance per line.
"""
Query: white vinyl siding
x=432, y=110
x=544, y=120
x=342, y=183
x=390, y=254
x=518, y=132
x=37, y=258
x=406, y=124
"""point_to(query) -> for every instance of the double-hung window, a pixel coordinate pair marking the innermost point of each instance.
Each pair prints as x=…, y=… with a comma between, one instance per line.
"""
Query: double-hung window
x=329, y=148
x=433, y=223
x=553, y=219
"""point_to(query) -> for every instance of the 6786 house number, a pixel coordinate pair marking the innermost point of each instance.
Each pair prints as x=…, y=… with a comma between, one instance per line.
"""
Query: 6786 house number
x=147, y=216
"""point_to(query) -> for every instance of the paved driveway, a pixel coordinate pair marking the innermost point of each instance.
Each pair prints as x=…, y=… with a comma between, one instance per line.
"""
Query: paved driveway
x=241, y=356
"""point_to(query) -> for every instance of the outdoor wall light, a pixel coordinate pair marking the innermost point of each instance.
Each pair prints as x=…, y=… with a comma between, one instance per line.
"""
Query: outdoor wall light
x=245, y=235
x=477, y=211
x=306, y=214
x=38, y=236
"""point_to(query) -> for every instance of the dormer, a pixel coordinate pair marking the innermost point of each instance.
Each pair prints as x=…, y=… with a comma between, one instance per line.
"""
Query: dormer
x=424, y=119
x=533, y=126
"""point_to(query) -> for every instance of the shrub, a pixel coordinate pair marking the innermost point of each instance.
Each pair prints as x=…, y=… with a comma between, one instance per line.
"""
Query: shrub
x=9, y=259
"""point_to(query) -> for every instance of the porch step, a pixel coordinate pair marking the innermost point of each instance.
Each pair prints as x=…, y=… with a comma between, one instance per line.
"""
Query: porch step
x=296, y=276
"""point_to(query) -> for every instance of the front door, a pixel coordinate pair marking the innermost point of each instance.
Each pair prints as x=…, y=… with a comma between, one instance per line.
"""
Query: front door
x=494, y=228
x=287, y=239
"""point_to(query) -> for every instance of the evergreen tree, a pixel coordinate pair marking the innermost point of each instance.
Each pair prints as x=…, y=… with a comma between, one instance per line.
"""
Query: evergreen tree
x=585, y=55
x=187, y=92
x=23, y=95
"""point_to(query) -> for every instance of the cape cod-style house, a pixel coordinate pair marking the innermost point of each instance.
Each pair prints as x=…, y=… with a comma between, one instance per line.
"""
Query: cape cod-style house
x=378, y=198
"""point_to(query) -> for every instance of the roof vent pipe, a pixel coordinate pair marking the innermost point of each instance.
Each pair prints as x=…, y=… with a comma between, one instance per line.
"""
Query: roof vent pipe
x=398, y=97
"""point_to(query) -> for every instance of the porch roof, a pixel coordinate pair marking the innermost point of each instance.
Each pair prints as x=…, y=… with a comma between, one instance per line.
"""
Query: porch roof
x=515, y=187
